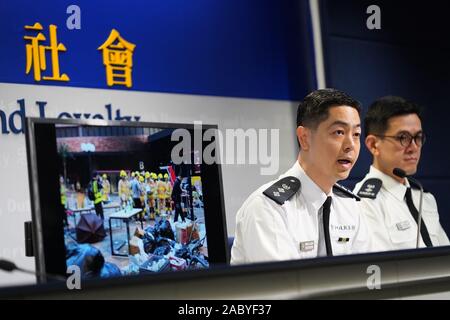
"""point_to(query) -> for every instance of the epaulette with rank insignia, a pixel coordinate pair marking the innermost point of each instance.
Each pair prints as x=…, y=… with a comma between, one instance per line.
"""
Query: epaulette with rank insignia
x=342, y=191
x=370, y=188
x=283, y=189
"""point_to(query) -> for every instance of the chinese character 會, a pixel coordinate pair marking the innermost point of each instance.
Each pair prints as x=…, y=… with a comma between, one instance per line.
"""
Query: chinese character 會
x=118, y=59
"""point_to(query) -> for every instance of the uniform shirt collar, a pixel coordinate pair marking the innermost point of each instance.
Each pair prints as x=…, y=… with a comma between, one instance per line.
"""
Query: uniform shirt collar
x=309, y=189
x=391, y=185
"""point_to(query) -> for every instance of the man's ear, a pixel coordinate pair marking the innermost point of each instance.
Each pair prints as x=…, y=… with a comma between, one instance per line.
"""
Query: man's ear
x=372, y=144
x=304, y=137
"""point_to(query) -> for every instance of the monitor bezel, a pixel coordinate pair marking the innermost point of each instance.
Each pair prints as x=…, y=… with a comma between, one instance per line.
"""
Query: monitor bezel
x=44, y=267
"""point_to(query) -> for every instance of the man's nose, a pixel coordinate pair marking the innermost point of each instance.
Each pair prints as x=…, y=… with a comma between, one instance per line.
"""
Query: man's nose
x=412, y=146
x=349, y=143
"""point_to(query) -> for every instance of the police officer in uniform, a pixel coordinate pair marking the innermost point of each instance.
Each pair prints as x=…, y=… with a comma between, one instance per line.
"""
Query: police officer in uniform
x=306, y=214
x=394, y=137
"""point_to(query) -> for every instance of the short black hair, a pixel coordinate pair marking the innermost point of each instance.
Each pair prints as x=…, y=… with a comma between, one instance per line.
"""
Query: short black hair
x=314, y=107
x=383, y=109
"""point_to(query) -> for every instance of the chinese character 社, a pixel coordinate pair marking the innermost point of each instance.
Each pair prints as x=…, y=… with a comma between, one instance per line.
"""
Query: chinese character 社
x=118, y=59
x=36, y=54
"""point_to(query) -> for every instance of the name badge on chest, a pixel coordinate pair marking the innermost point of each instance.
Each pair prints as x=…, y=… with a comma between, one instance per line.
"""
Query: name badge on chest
x=404, y=225
x=306, y=246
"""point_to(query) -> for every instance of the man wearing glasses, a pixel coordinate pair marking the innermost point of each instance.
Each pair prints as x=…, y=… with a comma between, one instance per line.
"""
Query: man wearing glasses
x=394, y=137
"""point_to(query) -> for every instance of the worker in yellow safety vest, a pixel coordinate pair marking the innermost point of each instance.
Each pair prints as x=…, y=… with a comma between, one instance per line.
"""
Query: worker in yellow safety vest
x=106, y=187
x=151, y=194
x=124, y=189
x=155, y=192
x=161, y=190
x=142, y=196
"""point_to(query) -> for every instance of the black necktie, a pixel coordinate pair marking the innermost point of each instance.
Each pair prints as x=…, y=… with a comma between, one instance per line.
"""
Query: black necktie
x=326, y=225
x=415, y=214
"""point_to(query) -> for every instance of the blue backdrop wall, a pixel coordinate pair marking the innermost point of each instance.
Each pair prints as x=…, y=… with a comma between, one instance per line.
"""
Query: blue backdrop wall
x=253, y=49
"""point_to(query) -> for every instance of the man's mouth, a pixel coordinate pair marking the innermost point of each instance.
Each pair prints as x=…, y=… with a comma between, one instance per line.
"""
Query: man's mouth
x=345, y=163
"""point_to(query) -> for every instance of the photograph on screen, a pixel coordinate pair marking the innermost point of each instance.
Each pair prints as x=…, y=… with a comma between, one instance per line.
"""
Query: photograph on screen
x=127, y=207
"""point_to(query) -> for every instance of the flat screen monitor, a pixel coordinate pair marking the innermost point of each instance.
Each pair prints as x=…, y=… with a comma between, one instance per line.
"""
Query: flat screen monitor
x=122, y=198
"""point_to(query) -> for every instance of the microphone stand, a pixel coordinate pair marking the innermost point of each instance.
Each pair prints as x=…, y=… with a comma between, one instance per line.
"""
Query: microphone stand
x=419, y=218
x=9, y=266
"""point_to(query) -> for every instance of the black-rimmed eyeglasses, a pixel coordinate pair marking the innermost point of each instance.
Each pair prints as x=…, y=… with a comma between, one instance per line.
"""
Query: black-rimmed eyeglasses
x=406, y=138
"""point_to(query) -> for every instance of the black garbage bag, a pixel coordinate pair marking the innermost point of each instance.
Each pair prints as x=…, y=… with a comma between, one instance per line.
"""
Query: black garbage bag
x=189, y=250
x=183, y=252
x=149, y=229
x=88, y=258
x=90, y=229
x=90, y=261
x=163, y=246
x=164, y=229
x=162, y=250
x=110, y=270
x=149, y=242
x=161, y=241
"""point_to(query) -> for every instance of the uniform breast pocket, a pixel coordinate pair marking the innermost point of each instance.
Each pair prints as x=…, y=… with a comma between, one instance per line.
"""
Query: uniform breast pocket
x=403, y=235
x=308, y=255
x=431, y=220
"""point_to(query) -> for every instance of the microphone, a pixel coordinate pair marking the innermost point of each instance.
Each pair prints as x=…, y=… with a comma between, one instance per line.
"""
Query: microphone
x=402, y=174
x=9, y=266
